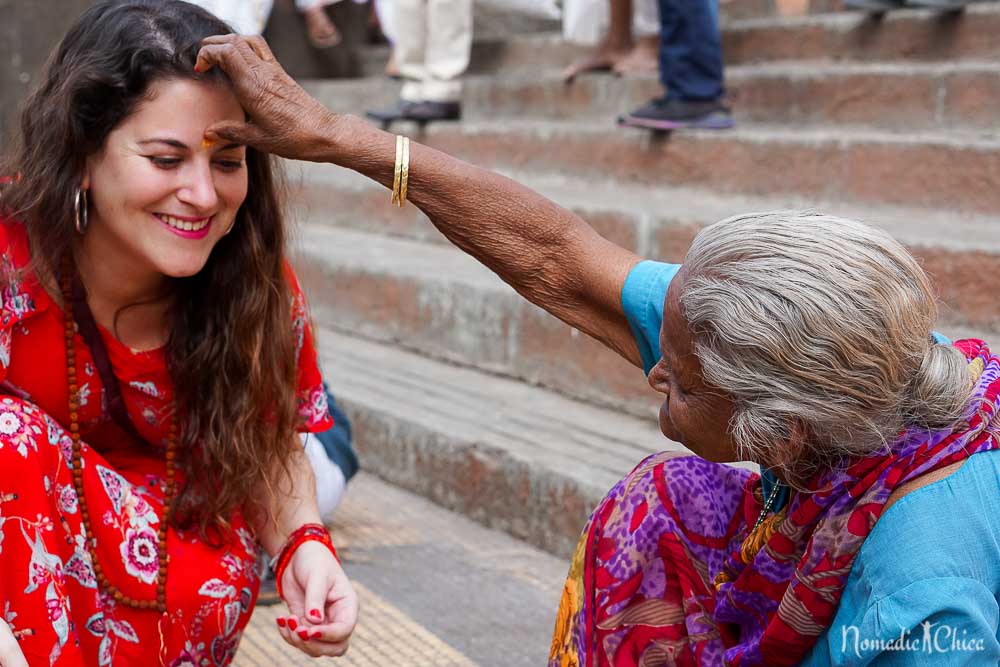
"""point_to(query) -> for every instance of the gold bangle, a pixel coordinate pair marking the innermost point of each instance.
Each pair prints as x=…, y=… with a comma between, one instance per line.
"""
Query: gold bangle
x=405, y=176
x=397, y=170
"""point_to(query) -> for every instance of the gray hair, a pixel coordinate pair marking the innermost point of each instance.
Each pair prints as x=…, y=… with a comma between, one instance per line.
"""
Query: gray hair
x=818, y=326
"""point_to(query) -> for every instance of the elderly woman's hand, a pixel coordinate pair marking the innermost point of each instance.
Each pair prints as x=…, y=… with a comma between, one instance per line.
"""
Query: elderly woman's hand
x=283, y=118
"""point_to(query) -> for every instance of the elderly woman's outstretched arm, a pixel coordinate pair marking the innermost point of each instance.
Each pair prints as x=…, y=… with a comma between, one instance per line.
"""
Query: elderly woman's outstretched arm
x=550, y=256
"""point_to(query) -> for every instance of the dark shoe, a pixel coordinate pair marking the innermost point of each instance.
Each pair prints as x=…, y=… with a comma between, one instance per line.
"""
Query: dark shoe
x=427, y=112
x=875, y=6
x=398, y=111
x=667, y=114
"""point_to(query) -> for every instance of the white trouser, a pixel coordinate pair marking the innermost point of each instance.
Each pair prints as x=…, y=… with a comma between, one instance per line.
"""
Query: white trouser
x=386, y=19
x=330, y=482
x=433, y=47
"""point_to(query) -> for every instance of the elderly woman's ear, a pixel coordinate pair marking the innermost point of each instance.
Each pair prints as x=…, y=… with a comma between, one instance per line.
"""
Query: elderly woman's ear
x=789, y=459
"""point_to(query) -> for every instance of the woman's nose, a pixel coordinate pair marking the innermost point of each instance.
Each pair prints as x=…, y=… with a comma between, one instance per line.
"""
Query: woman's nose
x=198, y=189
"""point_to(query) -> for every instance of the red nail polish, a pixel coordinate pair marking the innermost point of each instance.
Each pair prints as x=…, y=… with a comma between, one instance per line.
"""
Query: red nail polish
x=314, y=614
x=315, y=634
x=292, y=624
x=303, y=633
x=280, y=621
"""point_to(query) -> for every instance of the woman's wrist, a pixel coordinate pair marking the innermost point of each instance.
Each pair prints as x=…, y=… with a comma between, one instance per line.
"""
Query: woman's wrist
x=310, y=532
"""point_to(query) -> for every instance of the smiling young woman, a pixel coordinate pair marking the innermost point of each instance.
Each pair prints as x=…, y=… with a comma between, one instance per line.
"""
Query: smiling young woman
x=156, y=364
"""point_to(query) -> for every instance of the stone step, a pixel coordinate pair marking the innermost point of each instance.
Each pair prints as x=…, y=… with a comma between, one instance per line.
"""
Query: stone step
x=908, y=34
x=942, y=170
x=743, y=9
x=893, y=96
x=437, y=301
x=507, y=455
x=960, y=252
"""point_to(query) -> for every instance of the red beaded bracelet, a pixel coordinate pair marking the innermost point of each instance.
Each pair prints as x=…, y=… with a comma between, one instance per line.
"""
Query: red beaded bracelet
x=310, y=532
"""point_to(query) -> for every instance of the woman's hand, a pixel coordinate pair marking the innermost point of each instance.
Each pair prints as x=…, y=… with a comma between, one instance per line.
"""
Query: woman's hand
x=283, y=118
x=10, y=652
x=322, y=602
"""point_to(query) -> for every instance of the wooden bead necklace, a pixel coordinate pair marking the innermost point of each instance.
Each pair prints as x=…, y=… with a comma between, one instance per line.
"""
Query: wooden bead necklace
x=160, y=603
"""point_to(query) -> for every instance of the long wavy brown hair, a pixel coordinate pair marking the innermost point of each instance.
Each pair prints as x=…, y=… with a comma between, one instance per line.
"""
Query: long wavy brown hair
x=231, y=347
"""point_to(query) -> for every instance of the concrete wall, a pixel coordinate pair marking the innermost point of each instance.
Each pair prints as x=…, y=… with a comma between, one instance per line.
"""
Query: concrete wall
x=29, y=30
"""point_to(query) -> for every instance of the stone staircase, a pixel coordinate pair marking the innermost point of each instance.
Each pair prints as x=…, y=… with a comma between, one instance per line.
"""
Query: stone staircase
x=463, y=392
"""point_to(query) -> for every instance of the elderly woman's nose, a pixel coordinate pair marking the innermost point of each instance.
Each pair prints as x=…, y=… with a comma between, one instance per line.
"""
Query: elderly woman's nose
x=198, y=188
x=659, y=378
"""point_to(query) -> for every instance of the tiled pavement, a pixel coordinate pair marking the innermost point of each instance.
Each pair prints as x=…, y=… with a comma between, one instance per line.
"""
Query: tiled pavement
x=436, y=589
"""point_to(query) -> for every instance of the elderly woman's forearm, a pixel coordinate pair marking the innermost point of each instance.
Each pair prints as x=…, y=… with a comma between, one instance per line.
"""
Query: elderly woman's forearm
x=546, y=253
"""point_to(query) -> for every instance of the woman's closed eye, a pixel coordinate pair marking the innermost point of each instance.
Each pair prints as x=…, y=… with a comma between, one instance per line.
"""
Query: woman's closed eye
x=164, y=162
x=168, y=162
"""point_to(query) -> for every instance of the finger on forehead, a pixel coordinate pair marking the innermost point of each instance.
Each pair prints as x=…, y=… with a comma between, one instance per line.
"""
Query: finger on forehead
x=211, y=55
x=220, y=39
x=259, y=45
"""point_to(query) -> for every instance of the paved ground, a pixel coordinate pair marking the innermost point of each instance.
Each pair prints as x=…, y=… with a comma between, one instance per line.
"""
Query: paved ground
x=436, y=589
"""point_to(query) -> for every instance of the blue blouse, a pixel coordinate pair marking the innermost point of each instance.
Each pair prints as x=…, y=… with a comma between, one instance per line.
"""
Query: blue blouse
x=925, y=586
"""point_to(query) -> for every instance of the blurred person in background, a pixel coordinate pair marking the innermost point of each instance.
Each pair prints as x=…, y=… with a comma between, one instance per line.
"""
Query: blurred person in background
x=432, y=51
x=249, y=17
x=690, y=69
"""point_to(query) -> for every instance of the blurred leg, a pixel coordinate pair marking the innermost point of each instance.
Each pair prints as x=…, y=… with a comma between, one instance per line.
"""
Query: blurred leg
x=411, y=27
x=613, y=48
x=690, y=50
x=449, y=48
x=320, y=27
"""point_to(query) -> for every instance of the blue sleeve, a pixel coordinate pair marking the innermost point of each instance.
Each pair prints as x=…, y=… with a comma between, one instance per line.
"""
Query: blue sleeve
x=643, y=294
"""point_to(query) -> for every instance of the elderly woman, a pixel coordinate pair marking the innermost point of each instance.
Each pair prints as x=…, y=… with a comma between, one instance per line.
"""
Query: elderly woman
x=800, y=342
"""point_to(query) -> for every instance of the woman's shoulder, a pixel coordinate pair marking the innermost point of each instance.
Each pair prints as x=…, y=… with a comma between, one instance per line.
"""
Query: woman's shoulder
x=949, y=527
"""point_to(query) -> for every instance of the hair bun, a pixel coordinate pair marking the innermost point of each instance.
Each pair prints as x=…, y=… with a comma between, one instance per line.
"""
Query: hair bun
x=940, y=389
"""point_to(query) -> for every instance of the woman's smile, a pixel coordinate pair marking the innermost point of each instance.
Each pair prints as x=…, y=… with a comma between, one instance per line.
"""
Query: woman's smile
x=188, y=227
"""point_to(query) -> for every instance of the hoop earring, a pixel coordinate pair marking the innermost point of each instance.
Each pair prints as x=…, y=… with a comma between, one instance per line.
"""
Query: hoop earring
x=80, y=211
